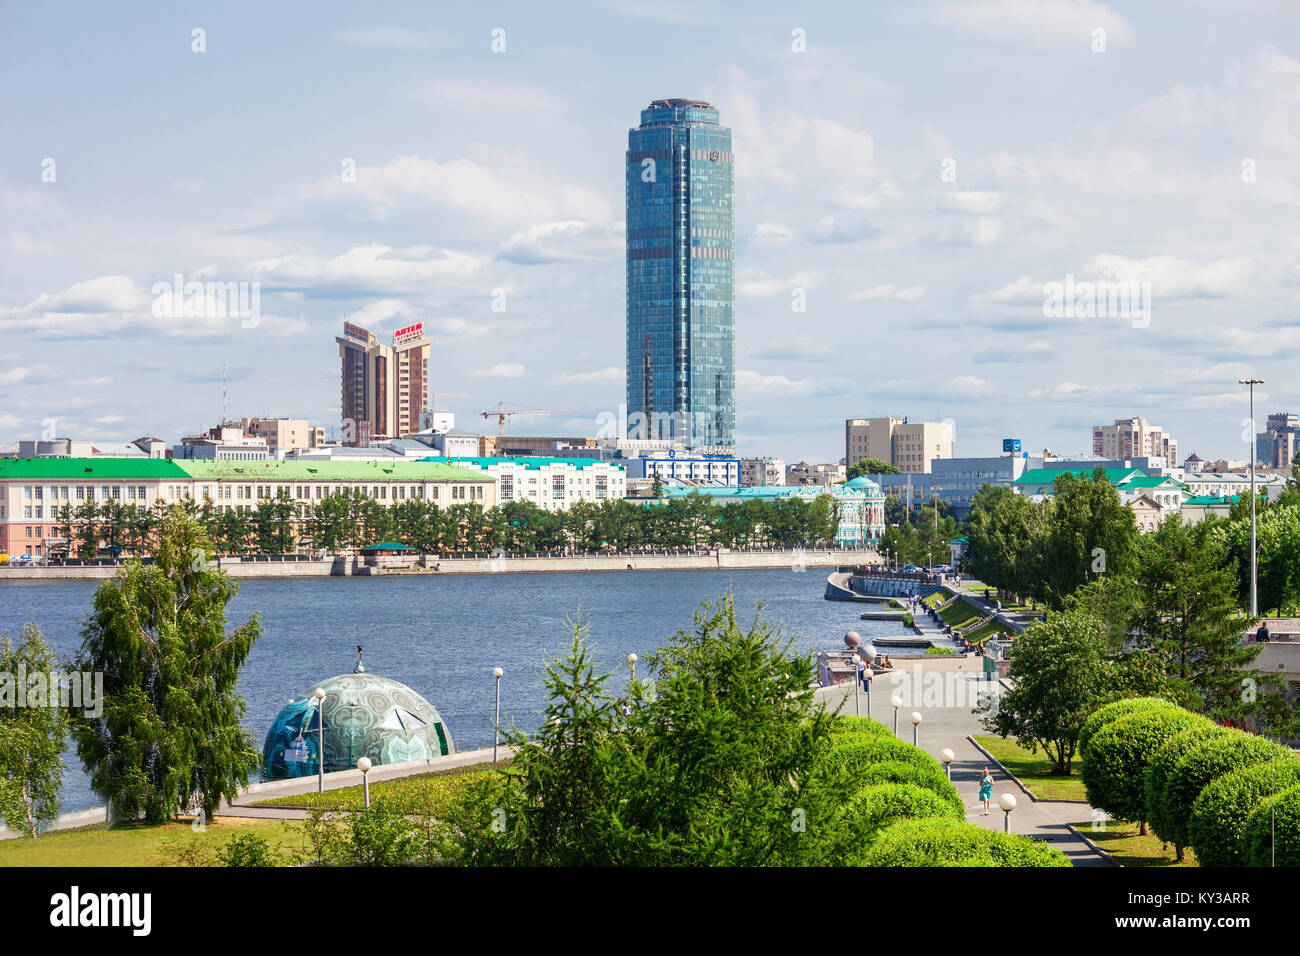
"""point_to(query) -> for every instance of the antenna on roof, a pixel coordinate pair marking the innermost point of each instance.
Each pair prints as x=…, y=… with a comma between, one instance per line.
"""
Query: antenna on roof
x=361, y=667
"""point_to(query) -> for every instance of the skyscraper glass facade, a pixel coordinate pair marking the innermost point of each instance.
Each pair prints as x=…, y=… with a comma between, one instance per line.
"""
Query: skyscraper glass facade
x=681, y=368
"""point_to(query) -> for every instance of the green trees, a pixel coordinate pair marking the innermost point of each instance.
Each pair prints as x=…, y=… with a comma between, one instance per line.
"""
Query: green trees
x=31, y=737
x=1115, y=764
x=870, y=466
x=1060, y=677
x=1185, y=616
x=170, y=731
x=1004, y=532
x=1160, y=769
x=1273, y=831
x=1088, y=532
x=1219, y=824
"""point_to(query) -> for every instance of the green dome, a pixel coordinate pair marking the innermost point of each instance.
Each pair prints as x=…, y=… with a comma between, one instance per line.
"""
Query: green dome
x=863, y=483
x=365, y=716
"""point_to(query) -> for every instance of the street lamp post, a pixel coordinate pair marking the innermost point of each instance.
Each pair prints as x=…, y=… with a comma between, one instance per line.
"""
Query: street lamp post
x=897, y=702
x=868, y=653
x=947, y=756
x=631, y=662
x=1254, y=601
x=916, y=728
x=1008, y=803
x=497, y=672
x=319, y=697
x=364, y=766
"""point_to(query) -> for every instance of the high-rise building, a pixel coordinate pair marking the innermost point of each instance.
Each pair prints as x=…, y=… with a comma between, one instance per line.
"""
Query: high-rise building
x=908, y=446
x=1276, y=446
x=1134, y=438
x=385, y=387
x=681, y=364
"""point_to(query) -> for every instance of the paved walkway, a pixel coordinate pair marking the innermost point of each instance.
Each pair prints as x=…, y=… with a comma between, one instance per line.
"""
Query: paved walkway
x=949, y=727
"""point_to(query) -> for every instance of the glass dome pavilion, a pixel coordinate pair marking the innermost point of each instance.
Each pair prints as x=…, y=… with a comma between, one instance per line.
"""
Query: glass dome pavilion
x=365, y=716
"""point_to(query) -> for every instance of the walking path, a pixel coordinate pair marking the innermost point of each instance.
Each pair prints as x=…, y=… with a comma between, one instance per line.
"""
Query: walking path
x=950, y=727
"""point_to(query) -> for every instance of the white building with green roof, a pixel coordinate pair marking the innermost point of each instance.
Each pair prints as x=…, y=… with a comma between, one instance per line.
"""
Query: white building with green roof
x=553, y=484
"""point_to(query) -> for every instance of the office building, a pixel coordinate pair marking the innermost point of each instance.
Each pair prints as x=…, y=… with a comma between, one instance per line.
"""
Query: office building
x=761, y=472
x=680, y=185
x=1276, y=446
x=908, y=446
x=385, y=387
x=1134, y=438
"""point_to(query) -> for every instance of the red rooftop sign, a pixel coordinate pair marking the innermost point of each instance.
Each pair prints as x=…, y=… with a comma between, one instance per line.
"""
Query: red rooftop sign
x=408, y=334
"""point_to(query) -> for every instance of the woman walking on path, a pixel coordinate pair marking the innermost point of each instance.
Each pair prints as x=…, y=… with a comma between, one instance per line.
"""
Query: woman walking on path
x=986, y=789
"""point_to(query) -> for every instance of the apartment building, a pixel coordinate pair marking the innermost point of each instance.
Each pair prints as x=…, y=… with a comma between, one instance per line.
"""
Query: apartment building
x=34, y=491
x=553, y=484
x=385, y=388
x=908, y=446
x=1276, y=446
x=1134, y=438
x=761, y=472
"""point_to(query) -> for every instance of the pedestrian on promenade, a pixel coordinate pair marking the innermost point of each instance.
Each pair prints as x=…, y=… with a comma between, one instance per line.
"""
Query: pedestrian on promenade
x=986, y=789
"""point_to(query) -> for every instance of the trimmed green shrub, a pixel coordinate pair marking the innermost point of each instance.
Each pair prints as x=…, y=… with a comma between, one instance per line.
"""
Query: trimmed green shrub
x=1280, y=815
x=1114, y=711
x=1115, y=772
x=941, y=842
x=852, y=753
x=873, y=808
x=1218, y=827
x=1204, y=764
x=932, y=778
x=846, y=725
x=1160, y=769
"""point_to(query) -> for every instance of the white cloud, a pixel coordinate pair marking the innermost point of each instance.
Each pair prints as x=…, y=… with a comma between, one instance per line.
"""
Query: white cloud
x=500, y=370
x=607, y=375
x=980, y=202
x=375, y=264
x=1067, y=21
x=383, y=36
x=882, y=292
x=568, y=241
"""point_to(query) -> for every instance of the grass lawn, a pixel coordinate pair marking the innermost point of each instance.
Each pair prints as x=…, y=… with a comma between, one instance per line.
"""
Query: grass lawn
x=959, y=614
x=1121, y=841
x=138, y=844
x=1034, y=770
x=439, y=788
x=991, y=629
x=937, y=598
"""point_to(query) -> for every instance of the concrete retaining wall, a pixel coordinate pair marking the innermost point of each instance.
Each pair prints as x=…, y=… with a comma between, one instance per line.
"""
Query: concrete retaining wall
x=725, y=560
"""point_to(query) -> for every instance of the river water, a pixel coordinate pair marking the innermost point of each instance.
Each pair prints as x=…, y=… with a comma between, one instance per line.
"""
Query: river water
x=443, y=635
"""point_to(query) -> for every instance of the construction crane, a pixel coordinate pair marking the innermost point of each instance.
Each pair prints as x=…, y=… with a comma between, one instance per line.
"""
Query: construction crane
x=502, y=413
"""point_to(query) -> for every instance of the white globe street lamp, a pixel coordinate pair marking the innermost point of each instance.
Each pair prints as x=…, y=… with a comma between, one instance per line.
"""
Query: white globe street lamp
x=947, y=756
x=1008, y=803
x=319, y=697
x=364, y=766
x=496, y=722
x=916, y=727
x=631, y=662
x=897, y=702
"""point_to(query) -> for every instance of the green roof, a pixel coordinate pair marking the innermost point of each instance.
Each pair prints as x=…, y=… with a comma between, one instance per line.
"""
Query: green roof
x=1151, y=481
x=530, y=462
x=1212, y=500
x=1048, y=476
x=289, y=470
x=90, y=469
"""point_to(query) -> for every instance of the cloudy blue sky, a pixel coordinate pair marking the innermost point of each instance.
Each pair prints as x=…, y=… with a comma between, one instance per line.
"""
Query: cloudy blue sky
x=1170, y=157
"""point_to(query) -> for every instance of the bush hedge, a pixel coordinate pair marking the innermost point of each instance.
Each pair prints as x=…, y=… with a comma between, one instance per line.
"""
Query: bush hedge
x=1114, y=711
x=846, y=725
x=1280, y=814
x=1114, y=774
x=942, y=842
x=1203, y=764
x=852, y=753
x=1220, y=815
x=1161, y=768
x=931, y=778
x=873, y=808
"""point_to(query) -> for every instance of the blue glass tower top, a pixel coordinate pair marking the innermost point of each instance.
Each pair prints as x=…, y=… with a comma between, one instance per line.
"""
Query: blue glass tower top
x=680, y=187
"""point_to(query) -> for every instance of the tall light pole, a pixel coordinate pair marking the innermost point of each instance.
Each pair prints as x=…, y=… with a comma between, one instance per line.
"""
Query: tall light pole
x=631, y=663
x=364, y=765
x=319, y=697
x=1254, y=597
x=496, y=721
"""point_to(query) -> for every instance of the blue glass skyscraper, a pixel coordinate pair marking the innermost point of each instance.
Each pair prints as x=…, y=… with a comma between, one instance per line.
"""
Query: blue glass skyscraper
x=681, y=229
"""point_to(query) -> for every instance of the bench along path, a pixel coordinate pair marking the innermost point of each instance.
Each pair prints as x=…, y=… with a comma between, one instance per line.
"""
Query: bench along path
x=949, y=727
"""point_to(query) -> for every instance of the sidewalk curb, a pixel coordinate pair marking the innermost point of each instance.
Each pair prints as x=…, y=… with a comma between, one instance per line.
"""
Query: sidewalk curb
x=1110, y=860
